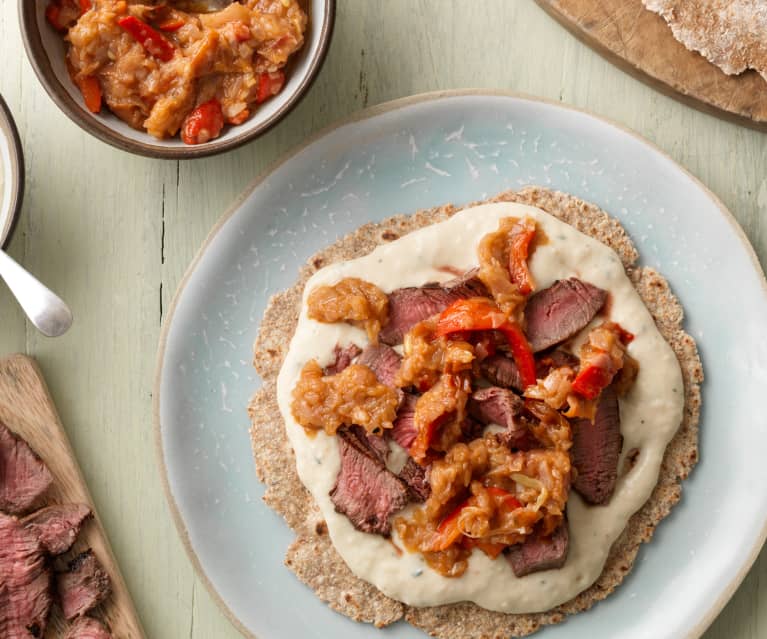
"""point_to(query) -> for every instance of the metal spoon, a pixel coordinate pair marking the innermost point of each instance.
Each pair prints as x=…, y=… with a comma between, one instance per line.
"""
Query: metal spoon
x=46, y=310
x=43, y=307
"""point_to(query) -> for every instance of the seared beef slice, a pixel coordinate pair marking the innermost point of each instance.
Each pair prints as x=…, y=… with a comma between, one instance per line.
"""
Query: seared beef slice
x=57, y=526
x=560, y=311
x=408, y=306
x=495, y=405
x=25, y=582
x=23, y=476
x=500, y=370
x=83, y=586
x=414, y=475
x=375, y=445
x=596, y=449
x=404, y=431
x=538, y=553
x=365, y=491
x=88, y=628
x=383, y=360
x=500, y=406
x=342, y=357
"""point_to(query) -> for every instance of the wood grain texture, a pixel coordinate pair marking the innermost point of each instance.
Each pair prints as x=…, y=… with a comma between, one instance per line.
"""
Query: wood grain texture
x=113, y=234
x=27, y=409
x=640, y=42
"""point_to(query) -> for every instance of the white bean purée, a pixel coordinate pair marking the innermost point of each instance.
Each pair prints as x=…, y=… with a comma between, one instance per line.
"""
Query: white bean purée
x=650, y=413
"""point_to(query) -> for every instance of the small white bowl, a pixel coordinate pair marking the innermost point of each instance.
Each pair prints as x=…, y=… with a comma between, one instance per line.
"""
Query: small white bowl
x=45, y=50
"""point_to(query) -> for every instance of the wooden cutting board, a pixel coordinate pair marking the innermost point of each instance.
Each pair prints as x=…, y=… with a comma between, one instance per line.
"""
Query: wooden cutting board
x=27, y=409
x=641, y=43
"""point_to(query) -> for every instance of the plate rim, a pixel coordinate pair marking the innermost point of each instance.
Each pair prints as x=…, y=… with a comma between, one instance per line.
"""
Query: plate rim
x=385, y=107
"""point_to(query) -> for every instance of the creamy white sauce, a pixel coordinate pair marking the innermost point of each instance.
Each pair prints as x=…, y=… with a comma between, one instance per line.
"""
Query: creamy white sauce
x=650, y=414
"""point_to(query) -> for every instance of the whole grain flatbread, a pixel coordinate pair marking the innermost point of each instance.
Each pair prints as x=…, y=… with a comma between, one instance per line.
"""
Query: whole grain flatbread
x=312, y=557
x=732, y=34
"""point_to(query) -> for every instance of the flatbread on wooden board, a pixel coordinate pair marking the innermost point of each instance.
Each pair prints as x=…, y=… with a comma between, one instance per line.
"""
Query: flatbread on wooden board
x=312, y=557
x=732, y=34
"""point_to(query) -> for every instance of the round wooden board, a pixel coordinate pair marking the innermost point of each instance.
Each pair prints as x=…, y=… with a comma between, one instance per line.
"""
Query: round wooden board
x=641, y=43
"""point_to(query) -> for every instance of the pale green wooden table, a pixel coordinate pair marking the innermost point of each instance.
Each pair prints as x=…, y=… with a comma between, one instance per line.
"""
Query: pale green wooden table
x=114, y=233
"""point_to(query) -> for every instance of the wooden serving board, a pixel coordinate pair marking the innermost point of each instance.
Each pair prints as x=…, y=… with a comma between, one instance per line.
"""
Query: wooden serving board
x=641, y=43
x=27, y=409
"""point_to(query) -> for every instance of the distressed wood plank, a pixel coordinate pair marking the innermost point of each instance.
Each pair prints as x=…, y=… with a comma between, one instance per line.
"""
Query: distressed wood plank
x=27, y=409
x=640, y=42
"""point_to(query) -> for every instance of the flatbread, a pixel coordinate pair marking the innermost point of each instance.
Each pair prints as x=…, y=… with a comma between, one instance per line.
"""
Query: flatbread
x=312, y=557
x=732, y=34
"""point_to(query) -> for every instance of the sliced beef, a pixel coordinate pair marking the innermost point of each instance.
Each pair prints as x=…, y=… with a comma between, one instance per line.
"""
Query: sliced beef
x=500, y=370
x=83, y=586
x=23, y=475
x=495, y=405
x=25, y=582
x=88, y=628
x=560, y=311
x=408, y=306
x=365, y=490
x=596, y=449
x=519, y=438
x=57, y=526
x=556, y=359
x=383, y=360
x=342, y=357
x=540, y=553
x=376, y=445
x=415, y=476
x=404, y=431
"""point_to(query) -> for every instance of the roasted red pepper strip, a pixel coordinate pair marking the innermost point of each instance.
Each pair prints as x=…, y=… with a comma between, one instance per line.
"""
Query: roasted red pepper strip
x=598, y=368
x=592, y=380
x=61, y=14
x=53, y=15
x=91, y=90
x=203, y=124
x=448, y=530
x=478, y=314
x=449, y=533
x=522, y=234
x=269, y=84
x=149, y=38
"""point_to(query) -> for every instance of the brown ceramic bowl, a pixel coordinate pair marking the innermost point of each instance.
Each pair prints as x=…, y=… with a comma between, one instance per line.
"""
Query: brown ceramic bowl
x=45, y=49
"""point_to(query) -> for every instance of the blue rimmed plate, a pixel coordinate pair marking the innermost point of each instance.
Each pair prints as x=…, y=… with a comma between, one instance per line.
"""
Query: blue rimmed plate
x=416, y=153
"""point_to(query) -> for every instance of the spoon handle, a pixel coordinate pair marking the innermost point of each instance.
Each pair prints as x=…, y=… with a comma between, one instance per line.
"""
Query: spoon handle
x=45, y=309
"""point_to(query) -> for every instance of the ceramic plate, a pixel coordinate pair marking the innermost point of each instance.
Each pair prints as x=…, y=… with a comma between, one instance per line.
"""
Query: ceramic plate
x=417, y=153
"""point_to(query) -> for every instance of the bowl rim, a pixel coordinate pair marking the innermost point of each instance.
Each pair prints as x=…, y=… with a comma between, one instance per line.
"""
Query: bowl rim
x=8, y=126
x=53, y=87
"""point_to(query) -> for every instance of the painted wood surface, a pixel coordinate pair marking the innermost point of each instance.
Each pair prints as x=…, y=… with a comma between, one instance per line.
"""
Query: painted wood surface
x=27, y=409
x=114, y=233
x=641, y=42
